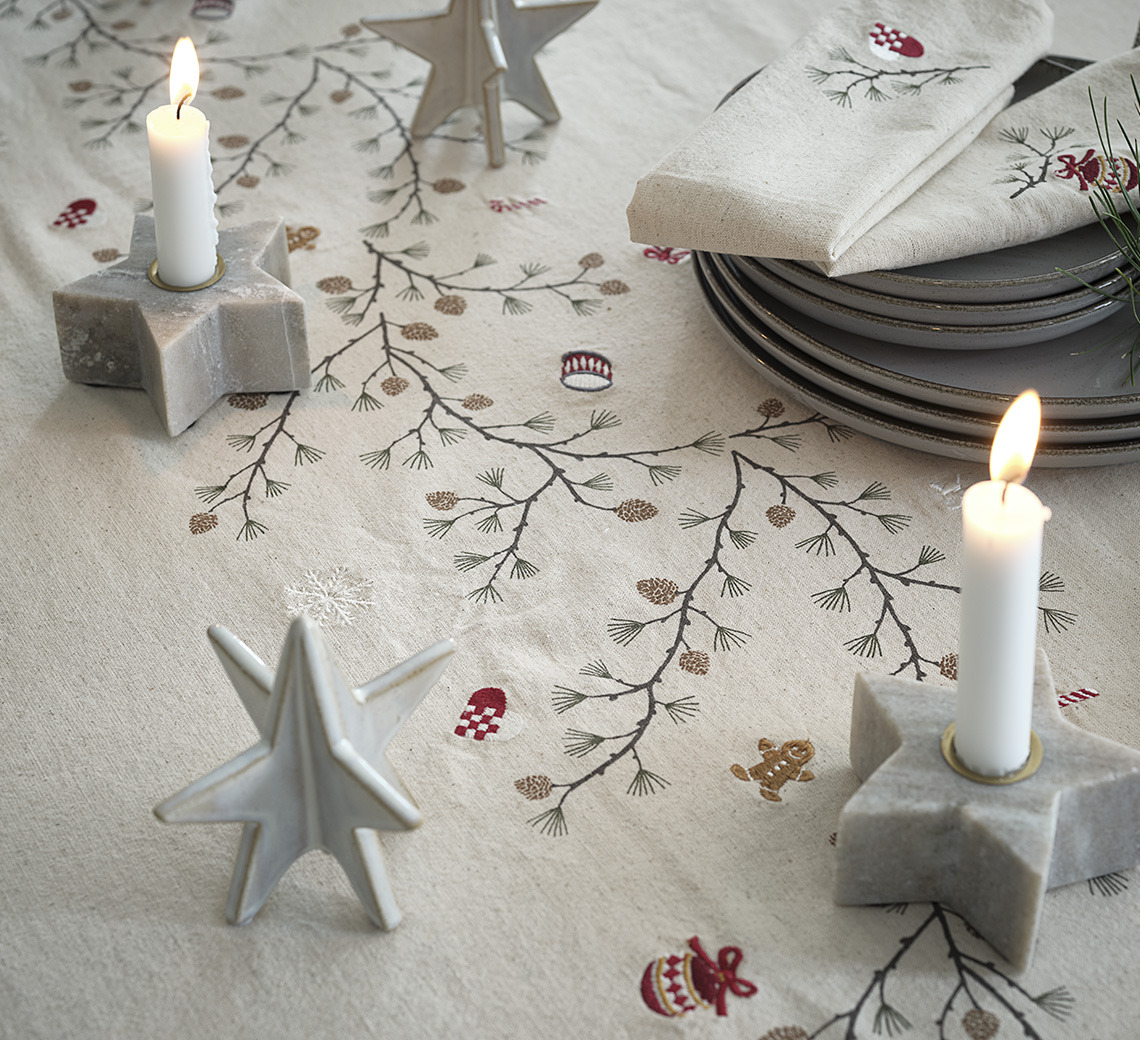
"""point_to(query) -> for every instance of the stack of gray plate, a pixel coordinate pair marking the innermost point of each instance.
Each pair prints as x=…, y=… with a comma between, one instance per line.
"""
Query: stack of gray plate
x=930, y=357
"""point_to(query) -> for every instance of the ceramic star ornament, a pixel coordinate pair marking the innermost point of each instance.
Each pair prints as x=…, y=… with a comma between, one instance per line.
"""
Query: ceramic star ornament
x=318, y=778
x=482, y=53
x=244, y=333
x=917, y=830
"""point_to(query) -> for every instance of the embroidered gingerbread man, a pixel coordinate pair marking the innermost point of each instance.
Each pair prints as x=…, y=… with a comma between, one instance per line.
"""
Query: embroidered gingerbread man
x=778, y=765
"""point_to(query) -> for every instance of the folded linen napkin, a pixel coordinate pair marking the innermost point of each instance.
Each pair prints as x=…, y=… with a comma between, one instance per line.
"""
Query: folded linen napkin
x=1029, y=175
x=824, y=142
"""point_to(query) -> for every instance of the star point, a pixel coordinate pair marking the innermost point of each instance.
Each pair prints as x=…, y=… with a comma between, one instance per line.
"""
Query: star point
x=319, y=777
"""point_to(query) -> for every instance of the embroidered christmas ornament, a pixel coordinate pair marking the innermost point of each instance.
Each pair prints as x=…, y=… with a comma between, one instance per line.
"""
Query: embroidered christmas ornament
x=676, y=984
x=889, y=43
x=585, y=370
x=1094, y=170
x=79, y=213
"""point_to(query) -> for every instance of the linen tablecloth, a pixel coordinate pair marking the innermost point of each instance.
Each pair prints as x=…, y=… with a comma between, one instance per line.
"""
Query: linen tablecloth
x=524, y=432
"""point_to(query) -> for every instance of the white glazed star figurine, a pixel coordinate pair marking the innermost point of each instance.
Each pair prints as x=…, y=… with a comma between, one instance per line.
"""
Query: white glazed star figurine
x=482, y=53
x=319, y=777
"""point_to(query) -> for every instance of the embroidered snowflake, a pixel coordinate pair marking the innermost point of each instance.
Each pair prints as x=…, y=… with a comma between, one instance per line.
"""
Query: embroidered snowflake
x=330, y=597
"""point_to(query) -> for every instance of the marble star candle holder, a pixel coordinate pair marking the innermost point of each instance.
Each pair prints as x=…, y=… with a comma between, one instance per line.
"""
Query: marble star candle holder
x=243, y=332
x=919, y=830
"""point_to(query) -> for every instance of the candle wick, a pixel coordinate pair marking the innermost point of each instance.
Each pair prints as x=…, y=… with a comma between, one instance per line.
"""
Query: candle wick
x=1004, y=489
x=182, y=101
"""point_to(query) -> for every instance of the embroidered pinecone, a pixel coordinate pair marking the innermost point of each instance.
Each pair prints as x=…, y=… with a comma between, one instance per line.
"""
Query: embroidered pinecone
x=613, y=287
x=122, y=25
x=534, y=787
x=441, y=500
x=634, y=509
x=247, y=402
x=80, y=86
x=773, y=408
x=200, y=523
x=451, y=305
x=60, y=13
x=695, y=661
x=352, y=29
x=948, y=666
x=591, y=260
x=338, y=97
x=661, y=591
x=448, y=186
x=785, y=1033
x=105, y=256
x=477, y=402
x=334, y=284
x=418, y=330
x=393, y=386
x=228, y=93
x=233, y=140
x=780, y=516
x=248, y=180
x=979, y=1024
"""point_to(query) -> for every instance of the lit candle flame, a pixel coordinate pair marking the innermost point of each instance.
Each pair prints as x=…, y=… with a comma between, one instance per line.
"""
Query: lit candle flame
x=183, y=72
x=1016, y=439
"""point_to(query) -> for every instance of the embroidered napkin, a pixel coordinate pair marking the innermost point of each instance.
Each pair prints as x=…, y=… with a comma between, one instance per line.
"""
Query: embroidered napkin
x=1028, y=176
x=823, y=143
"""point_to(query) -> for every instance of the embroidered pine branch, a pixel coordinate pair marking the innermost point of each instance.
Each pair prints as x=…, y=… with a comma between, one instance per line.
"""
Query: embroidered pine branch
x=871, y=79
x=1041, y=155
x=974, y=980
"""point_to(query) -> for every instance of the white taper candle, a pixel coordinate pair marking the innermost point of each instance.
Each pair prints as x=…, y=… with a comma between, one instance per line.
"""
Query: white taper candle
x=1002, y=527
x=185, y=226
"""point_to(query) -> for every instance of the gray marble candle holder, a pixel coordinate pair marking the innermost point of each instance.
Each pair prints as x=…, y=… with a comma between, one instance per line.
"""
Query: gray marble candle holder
x=919, y=831
x=244, y=333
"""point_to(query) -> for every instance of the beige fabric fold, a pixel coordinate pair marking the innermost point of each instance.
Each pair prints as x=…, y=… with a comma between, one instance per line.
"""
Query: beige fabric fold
x=1029, y=175
x=823, y=143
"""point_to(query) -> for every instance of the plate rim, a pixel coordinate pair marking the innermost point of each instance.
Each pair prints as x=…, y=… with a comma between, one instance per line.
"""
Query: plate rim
x=852, y=389
x=1115, y=278
x=992, y=397
x=1052, y=456
x=959, y=332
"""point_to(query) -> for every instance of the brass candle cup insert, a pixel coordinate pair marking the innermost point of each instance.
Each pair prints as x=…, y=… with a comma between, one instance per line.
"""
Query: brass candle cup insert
x=219, y=270
x=1028, y=768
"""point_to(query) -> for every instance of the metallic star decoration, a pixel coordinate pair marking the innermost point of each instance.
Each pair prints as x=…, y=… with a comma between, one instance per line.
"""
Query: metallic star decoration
x=245, y=333
x=482, y=53
x=918, y=831
x=319, y=777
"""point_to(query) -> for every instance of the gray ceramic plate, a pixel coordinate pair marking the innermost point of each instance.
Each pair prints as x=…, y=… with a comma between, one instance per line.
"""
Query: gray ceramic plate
x=892, y=405
x=930, y=336
x=1083, y=376
x=1025, y=272
x=897, y=431
x=931, y=312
